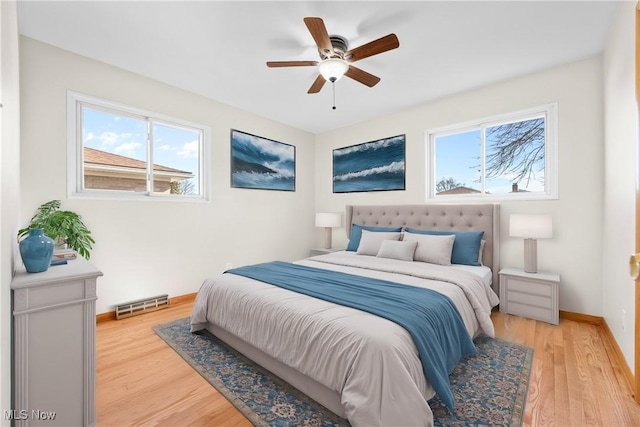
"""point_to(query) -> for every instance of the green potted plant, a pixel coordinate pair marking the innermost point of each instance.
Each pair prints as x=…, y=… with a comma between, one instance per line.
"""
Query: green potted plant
x=64, y=227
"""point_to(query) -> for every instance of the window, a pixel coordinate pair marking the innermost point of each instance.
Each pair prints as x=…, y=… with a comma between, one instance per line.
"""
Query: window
x=502, y=158
x=123, y=152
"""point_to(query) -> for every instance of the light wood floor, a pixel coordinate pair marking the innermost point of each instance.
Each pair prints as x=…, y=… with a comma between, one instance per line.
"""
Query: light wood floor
x=142, y=381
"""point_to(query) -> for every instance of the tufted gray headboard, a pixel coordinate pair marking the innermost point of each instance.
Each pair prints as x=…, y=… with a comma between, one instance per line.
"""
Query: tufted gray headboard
x=484, y=217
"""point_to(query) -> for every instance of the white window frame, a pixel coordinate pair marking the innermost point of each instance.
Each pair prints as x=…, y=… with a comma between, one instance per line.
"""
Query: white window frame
x=550, y=113
x=75, y=162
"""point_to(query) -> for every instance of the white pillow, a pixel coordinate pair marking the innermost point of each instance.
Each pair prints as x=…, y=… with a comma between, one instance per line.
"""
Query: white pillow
x=432, y=248
x=371, y=240
x=397, y=250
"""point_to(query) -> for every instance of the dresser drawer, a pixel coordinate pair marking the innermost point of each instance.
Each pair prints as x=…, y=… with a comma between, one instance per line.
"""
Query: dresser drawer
x=529, y=287
x=537, y=313
x=528, y=299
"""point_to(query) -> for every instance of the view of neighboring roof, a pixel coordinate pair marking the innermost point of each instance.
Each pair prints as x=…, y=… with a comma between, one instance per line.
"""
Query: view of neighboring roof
x=98, y=157
x=466, y=190
x=458, y=190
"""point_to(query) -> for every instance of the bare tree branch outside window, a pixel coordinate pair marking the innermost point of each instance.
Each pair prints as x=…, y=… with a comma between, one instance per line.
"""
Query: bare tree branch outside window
x=183, y=187
x=447, y=184
x=516, y=149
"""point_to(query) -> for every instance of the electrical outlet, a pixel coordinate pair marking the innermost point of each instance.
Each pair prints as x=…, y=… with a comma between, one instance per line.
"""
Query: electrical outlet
x=228, y=265
x=624, y=319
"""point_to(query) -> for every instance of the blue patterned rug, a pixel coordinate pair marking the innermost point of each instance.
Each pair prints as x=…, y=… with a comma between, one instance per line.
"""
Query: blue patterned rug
x=490, y=388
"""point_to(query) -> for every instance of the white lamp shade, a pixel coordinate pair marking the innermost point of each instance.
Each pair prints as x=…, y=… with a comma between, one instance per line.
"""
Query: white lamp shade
x=531, y=226
x=328, y=219
x=333, y=68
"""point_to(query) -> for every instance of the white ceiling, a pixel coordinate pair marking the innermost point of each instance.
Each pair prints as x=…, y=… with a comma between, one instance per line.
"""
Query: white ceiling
x=218, y=49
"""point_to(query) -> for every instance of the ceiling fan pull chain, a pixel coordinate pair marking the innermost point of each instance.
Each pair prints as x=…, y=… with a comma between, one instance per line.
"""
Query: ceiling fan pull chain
x=333, y=85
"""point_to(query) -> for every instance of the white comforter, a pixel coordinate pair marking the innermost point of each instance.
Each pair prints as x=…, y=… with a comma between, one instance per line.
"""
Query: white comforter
x=370, y=361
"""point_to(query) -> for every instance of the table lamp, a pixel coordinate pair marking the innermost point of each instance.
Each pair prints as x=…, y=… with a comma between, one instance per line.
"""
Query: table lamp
x=328, y=220
x=530, y=227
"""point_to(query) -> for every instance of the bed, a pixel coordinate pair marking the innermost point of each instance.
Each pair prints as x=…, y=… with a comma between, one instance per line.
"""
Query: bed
x=359, y=365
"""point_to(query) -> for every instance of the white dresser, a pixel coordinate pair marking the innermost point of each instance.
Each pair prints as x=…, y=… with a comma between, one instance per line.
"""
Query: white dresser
x=54, y=345
x=532, y=295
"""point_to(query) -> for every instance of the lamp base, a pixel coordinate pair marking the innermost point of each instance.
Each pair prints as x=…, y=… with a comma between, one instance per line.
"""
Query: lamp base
x=530, y=255
x=327, y=237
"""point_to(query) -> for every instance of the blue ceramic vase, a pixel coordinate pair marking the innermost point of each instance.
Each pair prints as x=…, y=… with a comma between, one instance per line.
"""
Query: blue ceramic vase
x=36, y=251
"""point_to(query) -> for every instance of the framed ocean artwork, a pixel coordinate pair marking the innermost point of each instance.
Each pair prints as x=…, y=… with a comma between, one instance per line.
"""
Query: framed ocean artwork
x=370, y=166
x=262, y=163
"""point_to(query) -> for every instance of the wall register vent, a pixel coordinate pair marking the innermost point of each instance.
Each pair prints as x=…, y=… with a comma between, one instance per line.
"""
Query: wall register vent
x=133, y=308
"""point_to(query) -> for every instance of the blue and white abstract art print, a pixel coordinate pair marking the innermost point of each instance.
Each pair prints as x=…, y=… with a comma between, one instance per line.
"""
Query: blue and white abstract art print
x=262, y=163
x=371, y=166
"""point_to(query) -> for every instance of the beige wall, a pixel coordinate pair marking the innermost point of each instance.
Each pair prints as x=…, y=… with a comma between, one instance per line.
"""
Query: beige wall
x=620, y=159
x=575, y=251
x=9, y=185
x=150, y=247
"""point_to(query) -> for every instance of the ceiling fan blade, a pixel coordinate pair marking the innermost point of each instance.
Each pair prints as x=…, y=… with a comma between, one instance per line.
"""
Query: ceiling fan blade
x=375, y=47
x=319, y=33
x=291, y=63
x=362, y=76
x=317, y=84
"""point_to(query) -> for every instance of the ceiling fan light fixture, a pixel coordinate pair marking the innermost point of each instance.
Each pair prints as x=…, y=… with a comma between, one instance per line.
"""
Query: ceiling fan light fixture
x=332, y=69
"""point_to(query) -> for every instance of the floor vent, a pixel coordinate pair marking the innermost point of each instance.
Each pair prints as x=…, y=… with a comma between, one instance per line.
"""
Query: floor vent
x=133, y=308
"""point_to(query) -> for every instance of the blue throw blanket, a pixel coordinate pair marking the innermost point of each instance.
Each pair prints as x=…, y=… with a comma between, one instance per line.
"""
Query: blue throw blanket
x=430, y=317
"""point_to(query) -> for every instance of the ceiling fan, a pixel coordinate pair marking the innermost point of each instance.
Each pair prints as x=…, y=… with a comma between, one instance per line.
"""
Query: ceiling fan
x=336, y=58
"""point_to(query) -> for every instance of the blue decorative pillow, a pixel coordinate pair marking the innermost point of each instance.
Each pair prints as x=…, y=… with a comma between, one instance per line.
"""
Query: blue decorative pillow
x=466, y=246
x=356, y=234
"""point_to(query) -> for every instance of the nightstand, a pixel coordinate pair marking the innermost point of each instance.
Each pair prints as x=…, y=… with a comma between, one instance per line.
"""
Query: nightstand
x=323, y=251
x=532, y=295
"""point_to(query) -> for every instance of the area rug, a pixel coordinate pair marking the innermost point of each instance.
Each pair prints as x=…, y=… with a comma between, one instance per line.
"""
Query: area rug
x=490, y=388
